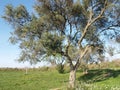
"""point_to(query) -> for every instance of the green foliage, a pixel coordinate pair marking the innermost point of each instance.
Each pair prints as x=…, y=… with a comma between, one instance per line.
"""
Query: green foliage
x=60, y=68
x=52, y=43
x=16, y=16
x=77, y=9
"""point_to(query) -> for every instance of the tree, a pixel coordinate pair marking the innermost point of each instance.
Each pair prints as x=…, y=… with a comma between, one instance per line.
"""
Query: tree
x=66, y=28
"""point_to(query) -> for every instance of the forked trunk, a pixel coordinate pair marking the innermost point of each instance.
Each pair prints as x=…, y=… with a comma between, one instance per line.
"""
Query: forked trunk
x=72, y=79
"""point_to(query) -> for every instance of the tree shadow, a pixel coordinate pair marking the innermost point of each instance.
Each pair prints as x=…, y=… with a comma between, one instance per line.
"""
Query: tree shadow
x=99, y=75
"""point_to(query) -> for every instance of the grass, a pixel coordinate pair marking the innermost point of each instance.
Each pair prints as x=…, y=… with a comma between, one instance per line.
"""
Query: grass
x=34, y=80
x=50, y=79
x=104, y=79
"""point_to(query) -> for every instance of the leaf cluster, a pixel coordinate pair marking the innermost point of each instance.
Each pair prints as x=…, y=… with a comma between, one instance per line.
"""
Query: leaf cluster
x=53, y=43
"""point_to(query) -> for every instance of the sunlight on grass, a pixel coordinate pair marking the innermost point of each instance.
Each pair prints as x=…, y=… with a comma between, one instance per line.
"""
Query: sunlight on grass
x=37, y=79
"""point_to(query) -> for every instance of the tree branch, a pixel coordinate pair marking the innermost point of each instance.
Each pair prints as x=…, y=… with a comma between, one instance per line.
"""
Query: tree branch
x=108, y=28
x=68, y=57
x=81, y=57
x=91, y=21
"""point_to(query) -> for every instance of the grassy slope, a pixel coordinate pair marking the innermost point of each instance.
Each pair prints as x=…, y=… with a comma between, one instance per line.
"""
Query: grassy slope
x=104, y=79
x=34, y=80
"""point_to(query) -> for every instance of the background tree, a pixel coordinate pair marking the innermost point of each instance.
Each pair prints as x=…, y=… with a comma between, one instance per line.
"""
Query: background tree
x=66, y=28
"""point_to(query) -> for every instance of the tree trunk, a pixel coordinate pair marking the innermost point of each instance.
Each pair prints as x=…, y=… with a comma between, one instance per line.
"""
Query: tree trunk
x=72, y=79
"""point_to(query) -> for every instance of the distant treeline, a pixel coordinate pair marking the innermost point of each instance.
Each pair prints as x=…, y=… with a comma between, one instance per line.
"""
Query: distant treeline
x=115, y=64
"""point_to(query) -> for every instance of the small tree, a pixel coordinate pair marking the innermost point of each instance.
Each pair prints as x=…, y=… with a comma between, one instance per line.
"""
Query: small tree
x=68, y=28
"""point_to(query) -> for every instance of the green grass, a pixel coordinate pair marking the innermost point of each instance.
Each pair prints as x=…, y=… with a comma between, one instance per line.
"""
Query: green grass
x=104, y=79
x=34, y=80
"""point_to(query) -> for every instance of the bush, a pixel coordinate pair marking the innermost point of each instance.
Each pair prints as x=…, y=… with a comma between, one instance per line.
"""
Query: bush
x=60, y=68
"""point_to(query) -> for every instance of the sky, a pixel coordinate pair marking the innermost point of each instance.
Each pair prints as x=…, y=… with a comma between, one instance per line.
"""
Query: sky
x=8, y=52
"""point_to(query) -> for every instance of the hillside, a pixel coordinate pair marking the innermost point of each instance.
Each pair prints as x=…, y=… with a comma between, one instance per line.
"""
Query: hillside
x=47, y=78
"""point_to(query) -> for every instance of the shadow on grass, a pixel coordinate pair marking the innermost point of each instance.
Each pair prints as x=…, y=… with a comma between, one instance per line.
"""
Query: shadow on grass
x=99, y=75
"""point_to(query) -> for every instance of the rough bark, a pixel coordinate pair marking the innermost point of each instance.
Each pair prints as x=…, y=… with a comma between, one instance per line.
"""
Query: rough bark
x=72, y=79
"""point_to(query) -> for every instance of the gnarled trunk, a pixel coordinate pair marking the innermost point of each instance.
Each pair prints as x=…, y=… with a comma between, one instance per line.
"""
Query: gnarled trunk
x=72, y=79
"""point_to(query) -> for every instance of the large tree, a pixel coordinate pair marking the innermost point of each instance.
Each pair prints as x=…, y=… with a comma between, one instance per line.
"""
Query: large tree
x=75, y=30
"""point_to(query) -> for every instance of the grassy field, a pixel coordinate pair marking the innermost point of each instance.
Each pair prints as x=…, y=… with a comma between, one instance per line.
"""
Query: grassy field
x=50, y=79
x=34, y=80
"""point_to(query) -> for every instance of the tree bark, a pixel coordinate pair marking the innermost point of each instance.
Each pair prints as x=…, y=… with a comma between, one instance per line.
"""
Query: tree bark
x=72, y=79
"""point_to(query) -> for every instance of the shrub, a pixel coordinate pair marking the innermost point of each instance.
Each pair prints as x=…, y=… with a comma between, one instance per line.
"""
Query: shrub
x=60, y=68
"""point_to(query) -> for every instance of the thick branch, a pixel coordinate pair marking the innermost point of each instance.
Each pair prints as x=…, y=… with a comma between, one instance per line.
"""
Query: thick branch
x=84, y=33
x=81, y=56
x=91, y=21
